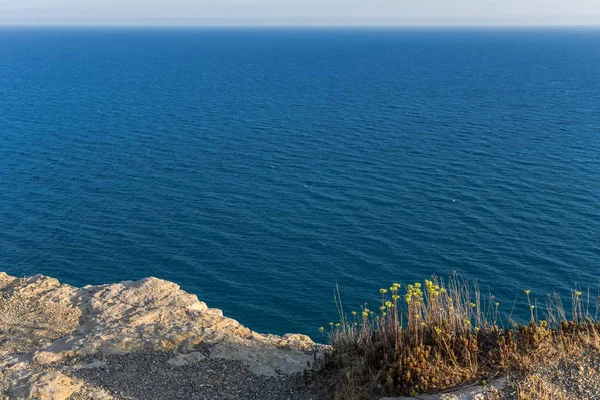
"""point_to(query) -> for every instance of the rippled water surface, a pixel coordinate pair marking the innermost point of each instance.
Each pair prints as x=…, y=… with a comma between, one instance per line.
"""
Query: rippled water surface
x=256, y=168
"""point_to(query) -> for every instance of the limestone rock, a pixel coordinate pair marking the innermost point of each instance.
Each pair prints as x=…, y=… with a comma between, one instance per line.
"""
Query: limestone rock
x=266, y=361
x=91, y=365
x=14, y=361
x=51, y=385
x=186, y=359
x=153, y=314
x=35, y=311
x=46, y=357
x=44, y=321
x=99, y=394
x=466, y=393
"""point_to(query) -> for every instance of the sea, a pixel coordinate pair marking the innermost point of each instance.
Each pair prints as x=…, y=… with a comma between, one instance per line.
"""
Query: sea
x=260, y=168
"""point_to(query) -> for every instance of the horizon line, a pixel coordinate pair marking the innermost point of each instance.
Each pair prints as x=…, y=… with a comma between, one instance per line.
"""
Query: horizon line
x=296, y=26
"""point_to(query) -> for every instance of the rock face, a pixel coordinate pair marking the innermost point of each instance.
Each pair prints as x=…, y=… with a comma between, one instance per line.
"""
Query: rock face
x=44, y=385
x=44, y=322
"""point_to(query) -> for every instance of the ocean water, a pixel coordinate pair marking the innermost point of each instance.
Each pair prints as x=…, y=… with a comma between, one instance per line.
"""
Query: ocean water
x=257, y=168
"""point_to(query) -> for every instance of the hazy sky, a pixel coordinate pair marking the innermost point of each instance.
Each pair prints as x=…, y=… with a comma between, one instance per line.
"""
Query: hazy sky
x=300, y=12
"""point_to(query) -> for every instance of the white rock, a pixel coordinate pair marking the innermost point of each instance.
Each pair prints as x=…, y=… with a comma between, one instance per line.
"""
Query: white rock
x=183, y=360
x=466, y=393
x=91, y=365
x=46, y=385
x=99, y=394
x=49, y=321
x=261, y=360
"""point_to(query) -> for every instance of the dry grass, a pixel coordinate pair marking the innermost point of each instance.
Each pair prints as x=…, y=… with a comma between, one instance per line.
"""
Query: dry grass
x=569, y=369
x=437, y=335
x=535, y=387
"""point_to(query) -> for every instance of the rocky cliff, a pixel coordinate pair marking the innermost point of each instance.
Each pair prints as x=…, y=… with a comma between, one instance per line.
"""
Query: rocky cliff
x=144, y=339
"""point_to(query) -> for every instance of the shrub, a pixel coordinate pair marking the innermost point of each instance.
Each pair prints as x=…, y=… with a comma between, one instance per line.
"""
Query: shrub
x=434, y=336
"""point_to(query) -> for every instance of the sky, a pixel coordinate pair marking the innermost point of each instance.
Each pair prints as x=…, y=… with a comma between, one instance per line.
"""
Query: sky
x=300, y=12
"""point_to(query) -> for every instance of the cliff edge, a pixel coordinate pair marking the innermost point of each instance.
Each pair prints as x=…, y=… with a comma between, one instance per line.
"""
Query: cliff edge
x=146, y=339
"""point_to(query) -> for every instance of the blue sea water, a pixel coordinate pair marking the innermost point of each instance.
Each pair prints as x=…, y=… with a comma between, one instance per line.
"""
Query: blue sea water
x=257, y=168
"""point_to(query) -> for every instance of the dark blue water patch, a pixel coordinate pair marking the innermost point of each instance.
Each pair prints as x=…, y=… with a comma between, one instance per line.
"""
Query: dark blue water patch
x=257, y=168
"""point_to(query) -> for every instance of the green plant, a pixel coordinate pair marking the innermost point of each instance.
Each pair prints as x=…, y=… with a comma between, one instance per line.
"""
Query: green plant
x=441, y=335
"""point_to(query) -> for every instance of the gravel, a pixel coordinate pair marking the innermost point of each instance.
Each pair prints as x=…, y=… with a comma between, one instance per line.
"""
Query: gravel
x=148, y=376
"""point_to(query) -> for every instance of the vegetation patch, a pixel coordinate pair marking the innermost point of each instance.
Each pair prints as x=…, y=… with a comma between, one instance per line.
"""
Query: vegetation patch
x=431, y=337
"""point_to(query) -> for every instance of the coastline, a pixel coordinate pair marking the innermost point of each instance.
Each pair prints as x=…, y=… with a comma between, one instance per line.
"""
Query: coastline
x=59, y=342
x=149, y=339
